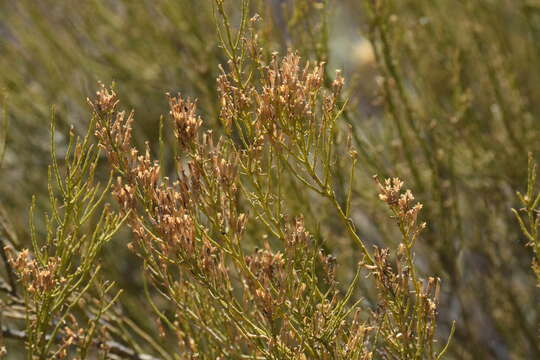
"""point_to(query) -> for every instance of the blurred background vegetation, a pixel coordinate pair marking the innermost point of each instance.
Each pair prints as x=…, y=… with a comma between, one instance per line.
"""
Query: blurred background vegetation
x=441, y=93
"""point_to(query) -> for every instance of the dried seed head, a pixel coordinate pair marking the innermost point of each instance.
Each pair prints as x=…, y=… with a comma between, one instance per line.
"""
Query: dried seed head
x=106, y=99
x=401, y=204
x=36, y=278
x=187, y=123
x=389, y=192
x=115, y=138
x=296, y=233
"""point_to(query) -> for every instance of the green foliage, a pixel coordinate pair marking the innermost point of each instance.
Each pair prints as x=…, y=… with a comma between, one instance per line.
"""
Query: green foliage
x=530, y=220
x=62, y=268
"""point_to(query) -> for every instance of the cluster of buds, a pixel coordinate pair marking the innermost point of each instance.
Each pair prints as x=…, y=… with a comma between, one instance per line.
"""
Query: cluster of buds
x=401, y=204
x=36, y=278
x=165, y=218
x=124, y=195
x=269, y=269
x=225, y=170
x=288, y=95
x=145, y=172
x=113, y=128
x=234, y=101
x=217, y=165
x=185, y=118
x=390, y=191
x=106, y=99
x=115, y=137
x=296, y=233
x=287, y=98
x=387, y=280
x=236, y=104
x=267, y=266
x=177, y=228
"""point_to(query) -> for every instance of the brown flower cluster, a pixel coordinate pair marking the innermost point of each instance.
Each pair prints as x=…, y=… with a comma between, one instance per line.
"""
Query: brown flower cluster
x=187, y=123
x=106, y=99
x=166, y=217
x=286, y=105
x=401, y=204
x=288, y=94
x=36, y=278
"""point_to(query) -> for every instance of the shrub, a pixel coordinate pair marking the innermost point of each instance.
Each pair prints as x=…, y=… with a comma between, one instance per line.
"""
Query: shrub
x=255, y=226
